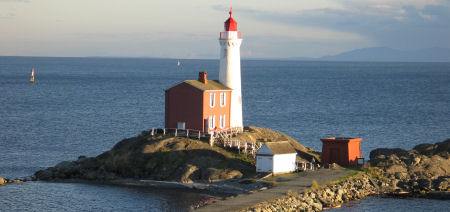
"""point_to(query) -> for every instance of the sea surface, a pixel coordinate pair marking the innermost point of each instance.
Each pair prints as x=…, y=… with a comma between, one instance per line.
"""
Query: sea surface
x=83, y=106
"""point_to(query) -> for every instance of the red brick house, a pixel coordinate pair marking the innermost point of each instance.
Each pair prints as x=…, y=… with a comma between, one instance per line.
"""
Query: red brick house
x=198, y=105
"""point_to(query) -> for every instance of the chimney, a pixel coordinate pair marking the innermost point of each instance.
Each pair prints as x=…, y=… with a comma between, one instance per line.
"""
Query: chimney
x=202, y=77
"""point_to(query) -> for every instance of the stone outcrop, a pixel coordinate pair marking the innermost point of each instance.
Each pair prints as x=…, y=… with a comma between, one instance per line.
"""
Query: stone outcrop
x=157, y=158
x=168, y=158
x=423, y=169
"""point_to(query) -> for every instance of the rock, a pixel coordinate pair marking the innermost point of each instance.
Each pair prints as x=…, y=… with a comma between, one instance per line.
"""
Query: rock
x=66, y=169
x=418, y=171
x=382, y=153
x=213, y=174
x=46, y=174
x=2, y=181
x=424, y=184
x=316, y=206
x=442, y=183
x=442, y=149
x=396, y=168
x=190, y=174
x=158, y=158
x=442, y=195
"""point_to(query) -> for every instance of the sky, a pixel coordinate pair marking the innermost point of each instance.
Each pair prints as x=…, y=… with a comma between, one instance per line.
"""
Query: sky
x=190, y=29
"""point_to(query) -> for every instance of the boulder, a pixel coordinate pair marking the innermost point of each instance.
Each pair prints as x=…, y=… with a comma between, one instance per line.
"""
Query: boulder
x=381, y=154
x=396, y=169
x=46, y=174
x=440, y=148
x=2, y=181
x=213, y=174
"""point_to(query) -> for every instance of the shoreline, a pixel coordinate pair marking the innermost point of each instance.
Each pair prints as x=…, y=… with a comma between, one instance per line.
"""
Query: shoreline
x=327, y=195
x=189, y=164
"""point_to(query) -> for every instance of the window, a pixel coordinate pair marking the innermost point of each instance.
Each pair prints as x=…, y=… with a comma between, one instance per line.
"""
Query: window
x=223, y=99
x=222, y=121
x=181, y=125
x=212, y=122
x=212, y=99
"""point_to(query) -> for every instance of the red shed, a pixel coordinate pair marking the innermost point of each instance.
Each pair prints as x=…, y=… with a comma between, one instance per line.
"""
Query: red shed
x=343, y=151
x=198, y=105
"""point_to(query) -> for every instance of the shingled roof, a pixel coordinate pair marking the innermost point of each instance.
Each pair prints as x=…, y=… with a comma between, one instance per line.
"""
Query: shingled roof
x=282, y=147
x=211, y=85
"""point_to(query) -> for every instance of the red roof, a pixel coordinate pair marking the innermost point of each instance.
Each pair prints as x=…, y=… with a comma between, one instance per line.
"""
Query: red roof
x=230, y=23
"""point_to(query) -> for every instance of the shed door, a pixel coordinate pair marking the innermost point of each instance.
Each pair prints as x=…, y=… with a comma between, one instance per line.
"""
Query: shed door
x=334, y=156
x=264, y=164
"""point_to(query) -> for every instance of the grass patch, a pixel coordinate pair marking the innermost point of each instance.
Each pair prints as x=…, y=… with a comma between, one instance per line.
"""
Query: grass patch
x=314, y=185
x=350, y=175
x=244, y=158
x=291, y=193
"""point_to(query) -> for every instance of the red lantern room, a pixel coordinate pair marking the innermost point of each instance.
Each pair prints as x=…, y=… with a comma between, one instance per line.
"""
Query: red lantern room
x=343, y=151
x=230, y=23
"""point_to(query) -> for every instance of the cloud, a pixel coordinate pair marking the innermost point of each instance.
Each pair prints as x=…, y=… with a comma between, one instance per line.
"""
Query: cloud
x=408, y=26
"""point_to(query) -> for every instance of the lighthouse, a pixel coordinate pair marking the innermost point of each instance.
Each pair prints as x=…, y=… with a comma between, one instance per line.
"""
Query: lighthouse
x=230, y=68
x=207, y=105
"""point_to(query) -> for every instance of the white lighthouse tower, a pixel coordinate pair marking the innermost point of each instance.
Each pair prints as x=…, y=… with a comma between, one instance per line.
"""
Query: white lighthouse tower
x=230, y=69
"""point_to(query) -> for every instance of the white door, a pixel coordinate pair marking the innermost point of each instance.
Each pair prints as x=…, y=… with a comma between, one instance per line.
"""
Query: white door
x=181, y=125
x=264, y=164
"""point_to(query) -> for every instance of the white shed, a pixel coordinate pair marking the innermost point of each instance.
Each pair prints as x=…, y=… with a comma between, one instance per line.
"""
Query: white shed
x=276, y=157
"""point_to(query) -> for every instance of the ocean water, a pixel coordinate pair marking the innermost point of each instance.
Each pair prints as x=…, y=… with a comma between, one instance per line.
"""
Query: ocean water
x=83, y=106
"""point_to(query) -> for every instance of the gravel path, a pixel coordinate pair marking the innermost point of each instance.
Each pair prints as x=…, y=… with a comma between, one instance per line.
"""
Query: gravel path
x=294, y=182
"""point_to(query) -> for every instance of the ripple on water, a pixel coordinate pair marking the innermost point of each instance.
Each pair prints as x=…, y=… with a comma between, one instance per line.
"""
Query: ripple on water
x=93, y=197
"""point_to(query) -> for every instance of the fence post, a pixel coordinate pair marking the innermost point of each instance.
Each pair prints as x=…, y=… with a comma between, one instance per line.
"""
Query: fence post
x=187, y=133
x=211, y=140
x=199, y=134
x=245, y=148
x=164, y=131
x=239, y=147
x=176, y=131
x=253, y=148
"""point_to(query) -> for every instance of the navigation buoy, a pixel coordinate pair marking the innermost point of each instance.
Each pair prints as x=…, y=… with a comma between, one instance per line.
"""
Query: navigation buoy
x=32, y=75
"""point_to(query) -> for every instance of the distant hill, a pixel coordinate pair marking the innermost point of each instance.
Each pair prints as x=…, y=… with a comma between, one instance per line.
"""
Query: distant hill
x=392, y=55
x=385, y=54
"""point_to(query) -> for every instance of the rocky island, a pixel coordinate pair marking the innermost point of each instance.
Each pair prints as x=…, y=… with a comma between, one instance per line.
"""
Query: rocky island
x=420, y=172
x=169, y=158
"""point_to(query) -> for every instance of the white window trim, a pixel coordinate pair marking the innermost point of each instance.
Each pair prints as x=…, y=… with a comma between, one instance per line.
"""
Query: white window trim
x=212, y=122
x=222, y=121
x=212, y=100
x=223, y=99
